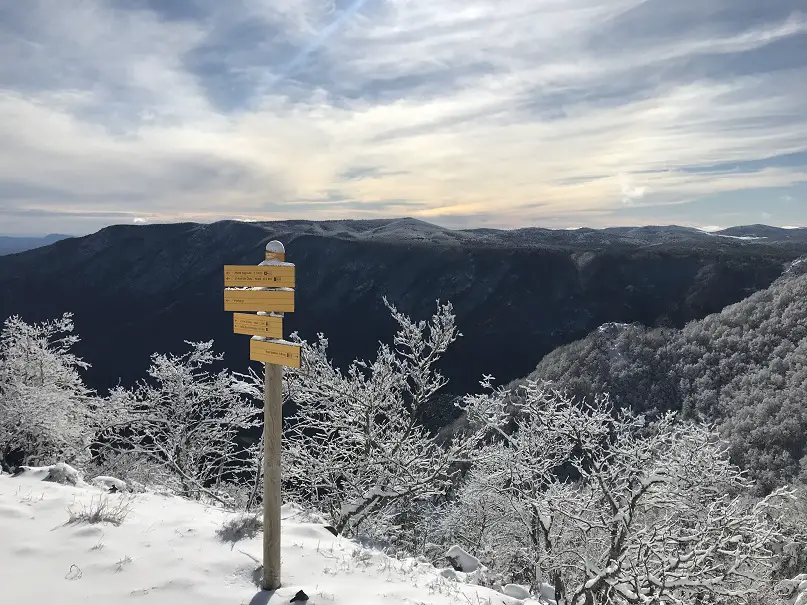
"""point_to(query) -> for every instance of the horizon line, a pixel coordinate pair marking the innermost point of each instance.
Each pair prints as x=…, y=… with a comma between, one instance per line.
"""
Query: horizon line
x=147, y=223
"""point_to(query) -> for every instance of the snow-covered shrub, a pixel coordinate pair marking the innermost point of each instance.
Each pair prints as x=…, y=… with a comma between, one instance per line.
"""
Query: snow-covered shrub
x=64, y=474
x=185, y=421
x=791, y=559
x=128, y=466
x=99, y=510
x=356, y=447
x=461, y=559
x=112, y=484
x=60, y=472
x=502, y=509
x=47, y=414
x=517, y=591
x=608, y=508
x=794, y=590
x=663, y=516
x=238, y=527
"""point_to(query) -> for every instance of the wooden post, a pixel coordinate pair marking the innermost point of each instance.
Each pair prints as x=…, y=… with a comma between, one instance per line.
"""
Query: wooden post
x=272, y=434
x=272, y=431
x=267, y=288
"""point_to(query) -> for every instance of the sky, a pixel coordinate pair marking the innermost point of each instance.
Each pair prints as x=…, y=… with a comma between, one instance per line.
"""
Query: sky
x=463, y=113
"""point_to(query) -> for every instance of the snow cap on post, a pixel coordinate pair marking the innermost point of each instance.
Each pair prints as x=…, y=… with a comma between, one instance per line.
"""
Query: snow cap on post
x=275, y=251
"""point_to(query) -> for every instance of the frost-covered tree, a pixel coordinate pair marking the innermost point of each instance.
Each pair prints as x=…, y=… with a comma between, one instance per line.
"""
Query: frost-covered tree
x=744, y=368
x=47, y=414
x=533, y=436
x=663, y=517
x=185, y=422
x=356, y=446
x=609, y=508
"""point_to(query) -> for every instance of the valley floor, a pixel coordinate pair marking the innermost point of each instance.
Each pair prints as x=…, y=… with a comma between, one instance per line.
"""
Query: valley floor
x=167, y=552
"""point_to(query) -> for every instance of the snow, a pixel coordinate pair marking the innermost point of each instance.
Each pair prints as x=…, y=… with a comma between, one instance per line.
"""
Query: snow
x=167, y=551
x=547, y=592
x=517, y=591
x=282, y=289
x=794, y=590
x=747, y=238
x=465, y=561
x=57, y=473
x=279, y=341
x=109, y=482
x=612, y=327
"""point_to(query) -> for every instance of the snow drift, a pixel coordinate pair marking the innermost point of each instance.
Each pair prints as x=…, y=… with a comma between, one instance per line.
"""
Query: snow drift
x=167, y=550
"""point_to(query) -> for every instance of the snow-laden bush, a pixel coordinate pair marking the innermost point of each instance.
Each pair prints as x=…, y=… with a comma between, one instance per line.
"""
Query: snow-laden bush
x=129, y=466
x=461, y=559
x=64, y=474
x=609, y=508
x=47, y=414
x=99, y=510
x=356, y=447
x=112, y=484
x=184, y=423
x=240, y=526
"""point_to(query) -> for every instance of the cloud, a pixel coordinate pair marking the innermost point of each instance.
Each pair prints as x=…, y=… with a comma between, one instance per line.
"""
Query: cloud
x=630, y=191
x=463, y=111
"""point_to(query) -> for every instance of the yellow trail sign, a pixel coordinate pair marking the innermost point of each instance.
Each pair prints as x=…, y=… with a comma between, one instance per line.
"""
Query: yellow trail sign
x=277, y=352
x=269, y=326
x=281, y=301
x=270, y=255
x=261, y=276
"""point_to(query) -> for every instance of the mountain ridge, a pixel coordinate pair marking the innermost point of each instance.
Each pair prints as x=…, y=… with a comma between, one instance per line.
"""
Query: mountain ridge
x=139, y=289
x=10, y=244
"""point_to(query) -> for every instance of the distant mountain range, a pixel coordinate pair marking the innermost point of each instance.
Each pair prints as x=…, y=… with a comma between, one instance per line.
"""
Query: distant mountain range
x=12, y=245
x=518, y=294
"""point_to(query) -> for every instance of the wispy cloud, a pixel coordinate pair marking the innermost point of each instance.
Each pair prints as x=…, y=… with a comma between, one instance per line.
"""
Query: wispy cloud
x=465, y=112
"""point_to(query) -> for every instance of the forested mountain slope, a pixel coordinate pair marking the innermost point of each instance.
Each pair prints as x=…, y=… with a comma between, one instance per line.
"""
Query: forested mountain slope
x=744, y=368
x=518, y=294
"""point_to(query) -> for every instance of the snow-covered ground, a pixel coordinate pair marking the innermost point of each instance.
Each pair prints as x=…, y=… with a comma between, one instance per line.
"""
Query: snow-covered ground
x=167, y=551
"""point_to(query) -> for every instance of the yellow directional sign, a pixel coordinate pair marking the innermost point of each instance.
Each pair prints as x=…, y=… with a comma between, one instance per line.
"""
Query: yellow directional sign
x=281, y=301
x=270, y=326
x=273, y=351
x=281, y=256
x=261, y=276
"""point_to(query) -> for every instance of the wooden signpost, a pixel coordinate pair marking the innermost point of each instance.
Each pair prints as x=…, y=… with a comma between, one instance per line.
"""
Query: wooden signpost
x=274, y=352
x=268, y=289
x=270, y=326
x=275, y=276
x=259, y=300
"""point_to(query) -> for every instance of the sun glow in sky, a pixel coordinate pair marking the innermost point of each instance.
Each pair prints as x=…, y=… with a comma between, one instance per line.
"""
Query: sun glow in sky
x=465, y=113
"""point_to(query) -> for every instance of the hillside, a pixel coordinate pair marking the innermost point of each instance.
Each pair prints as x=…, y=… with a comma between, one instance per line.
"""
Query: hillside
x=168, y=550
x=745, y=368
x=518, y=294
